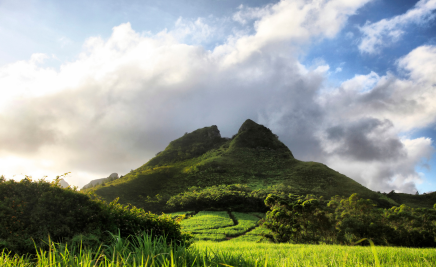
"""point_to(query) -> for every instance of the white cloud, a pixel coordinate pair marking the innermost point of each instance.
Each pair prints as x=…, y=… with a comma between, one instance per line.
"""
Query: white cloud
x=349, y=35
x=405, y=103
x=192, y=32
x=361, y=83
x=408, y=102
x=126, y=97
x=420, y=64
x=289, y=22
x=246, y=14
x=387, y=31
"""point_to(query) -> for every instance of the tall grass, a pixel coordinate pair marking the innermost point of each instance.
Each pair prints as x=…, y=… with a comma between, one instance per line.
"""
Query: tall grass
x=145, y=251
x=268, y=254
x=141, y=250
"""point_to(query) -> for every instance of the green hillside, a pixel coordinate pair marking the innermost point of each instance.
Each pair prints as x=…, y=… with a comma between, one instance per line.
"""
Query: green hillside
x=254, y=158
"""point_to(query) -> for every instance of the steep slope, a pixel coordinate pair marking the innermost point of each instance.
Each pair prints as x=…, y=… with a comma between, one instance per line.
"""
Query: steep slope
x=254, y=157
x=95, y=182
x=414, y=201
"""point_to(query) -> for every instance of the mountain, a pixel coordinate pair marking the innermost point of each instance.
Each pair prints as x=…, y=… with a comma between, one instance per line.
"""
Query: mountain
x=64, y=183
x=253, y=157
x=96, y=182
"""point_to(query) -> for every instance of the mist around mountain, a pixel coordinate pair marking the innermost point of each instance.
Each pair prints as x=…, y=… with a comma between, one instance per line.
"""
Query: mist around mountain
x=202, y=170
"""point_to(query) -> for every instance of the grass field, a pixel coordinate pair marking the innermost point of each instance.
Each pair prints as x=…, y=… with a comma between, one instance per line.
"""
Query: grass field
x=218, y=226
x=143, y=251
x=207, y=220
x=268, y=254
x=245, y=221
x=255, y=235
x=214, y=246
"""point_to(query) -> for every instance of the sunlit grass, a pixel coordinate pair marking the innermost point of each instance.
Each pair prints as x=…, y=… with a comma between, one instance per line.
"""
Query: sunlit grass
x=145, y=251
x=245, y=221
x=137, y=251
x=207, y=220
x=250, y=254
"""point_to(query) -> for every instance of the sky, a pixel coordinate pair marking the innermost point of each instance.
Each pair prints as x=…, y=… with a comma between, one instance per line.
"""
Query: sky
x=97, y=87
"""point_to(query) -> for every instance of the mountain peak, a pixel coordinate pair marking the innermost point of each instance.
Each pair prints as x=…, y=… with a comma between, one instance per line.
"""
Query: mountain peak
x=190, y=145
x=249, y=124
x=254, y=158
x=253, y=135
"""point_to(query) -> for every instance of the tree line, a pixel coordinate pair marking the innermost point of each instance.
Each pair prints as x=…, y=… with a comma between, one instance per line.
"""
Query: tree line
x=341, y=220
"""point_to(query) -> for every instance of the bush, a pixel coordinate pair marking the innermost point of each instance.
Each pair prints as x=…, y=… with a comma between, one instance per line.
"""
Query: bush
x=31, y=211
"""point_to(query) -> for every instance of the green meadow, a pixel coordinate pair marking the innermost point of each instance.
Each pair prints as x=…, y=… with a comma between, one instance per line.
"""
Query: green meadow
x=267, y=254
x=246, y=249
x=227, y=253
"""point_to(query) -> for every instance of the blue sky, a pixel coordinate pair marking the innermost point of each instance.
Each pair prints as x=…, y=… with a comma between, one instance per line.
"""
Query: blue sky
x=96, y=87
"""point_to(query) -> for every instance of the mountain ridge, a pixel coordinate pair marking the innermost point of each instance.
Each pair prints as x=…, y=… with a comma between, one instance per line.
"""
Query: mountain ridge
x=254, y=157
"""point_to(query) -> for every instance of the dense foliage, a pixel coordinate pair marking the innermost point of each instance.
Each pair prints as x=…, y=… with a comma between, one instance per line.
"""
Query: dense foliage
x=307, y=219
x=30, y=211
x=237, y=197
x=297, y=218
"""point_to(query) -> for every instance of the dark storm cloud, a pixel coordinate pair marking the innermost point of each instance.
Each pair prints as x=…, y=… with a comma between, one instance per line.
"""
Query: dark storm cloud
x=365, y=140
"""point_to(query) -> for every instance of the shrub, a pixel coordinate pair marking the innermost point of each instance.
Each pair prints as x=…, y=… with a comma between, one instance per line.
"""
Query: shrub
x=31, y=211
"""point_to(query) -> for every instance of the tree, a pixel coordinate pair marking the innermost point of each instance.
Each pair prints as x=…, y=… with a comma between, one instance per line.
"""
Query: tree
x=357, y=218
x=301, y=219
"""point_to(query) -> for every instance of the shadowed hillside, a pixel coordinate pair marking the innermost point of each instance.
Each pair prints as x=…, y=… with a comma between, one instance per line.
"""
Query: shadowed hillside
x=254, y=157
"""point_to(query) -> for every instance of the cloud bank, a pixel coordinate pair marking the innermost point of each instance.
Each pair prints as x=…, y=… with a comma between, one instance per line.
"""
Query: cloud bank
x=125, y=98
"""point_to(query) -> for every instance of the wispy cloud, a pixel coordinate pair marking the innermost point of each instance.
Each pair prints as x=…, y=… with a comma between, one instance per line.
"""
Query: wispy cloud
x=385, y=32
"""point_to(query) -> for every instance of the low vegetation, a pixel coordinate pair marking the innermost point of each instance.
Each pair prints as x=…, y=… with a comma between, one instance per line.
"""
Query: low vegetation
x=31, y=212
